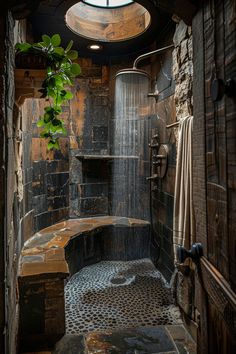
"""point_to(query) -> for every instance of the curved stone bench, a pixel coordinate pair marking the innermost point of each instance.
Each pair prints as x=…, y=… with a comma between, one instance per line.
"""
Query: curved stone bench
x=57, y=252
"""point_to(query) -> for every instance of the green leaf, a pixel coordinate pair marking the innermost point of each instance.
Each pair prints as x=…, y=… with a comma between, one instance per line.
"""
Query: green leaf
x=40, y=123
x=45, y=134
x=72, y=54
x=69, y=46
x=75, y=69
x=68, y=96
x=53, y=144
x=46, y=40
x=56, y=122
x=62, y=130
x=59, y=81
x=23, y=47
x=56, y=40
x=59, y=51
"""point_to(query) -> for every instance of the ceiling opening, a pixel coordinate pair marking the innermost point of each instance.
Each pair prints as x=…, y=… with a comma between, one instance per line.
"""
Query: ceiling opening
x=108, y=20
x=108, y=3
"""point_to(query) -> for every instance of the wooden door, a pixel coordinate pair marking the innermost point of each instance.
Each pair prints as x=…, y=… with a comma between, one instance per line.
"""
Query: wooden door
x=214, y=161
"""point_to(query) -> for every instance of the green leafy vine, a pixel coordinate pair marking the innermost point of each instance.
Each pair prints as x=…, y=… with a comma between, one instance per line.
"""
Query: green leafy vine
x=61, y=70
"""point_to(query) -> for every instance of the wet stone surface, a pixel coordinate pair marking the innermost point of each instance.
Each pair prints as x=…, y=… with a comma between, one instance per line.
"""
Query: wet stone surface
x=173, y=339
x=140, y=340
x=115, y=295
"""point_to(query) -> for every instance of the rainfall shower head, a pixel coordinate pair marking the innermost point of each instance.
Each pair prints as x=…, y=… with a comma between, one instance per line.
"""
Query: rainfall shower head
x=132, y=71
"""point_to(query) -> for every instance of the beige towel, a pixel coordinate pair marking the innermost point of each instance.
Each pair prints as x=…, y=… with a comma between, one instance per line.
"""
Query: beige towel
x=183, y=222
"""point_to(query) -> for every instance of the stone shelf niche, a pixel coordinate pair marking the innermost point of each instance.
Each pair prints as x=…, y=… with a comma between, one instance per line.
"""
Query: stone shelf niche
x=56, y=253
x=105, y=157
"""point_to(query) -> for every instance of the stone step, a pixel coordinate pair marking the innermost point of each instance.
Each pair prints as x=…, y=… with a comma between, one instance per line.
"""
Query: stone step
x=172, y=339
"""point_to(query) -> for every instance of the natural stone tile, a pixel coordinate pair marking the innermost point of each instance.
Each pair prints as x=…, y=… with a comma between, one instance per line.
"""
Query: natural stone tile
x=47, y=246
x=55, y=255
x=70, y=344
x=29, y=269
x=142, y=340
x=38, y=240
x=177, y=332
x=182, y=339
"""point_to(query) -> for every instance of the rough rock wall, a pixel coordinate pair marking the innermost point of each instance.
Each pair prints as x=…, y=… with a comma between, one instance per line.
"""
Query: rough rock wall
x=174, y=82
x=11, y=184
x=183, y=70
x=2, y=181
x=162, y=189
x=183, y=75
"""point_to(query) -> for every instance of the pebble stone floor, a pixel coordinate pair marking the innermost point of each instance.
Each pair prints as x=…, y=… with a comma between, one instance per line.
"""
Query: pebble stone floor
x=115, y=294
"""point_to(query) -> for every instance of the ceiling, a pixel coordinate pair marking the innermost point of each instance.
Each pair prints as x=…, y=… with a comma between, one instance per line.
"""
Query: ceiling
x=50, y=19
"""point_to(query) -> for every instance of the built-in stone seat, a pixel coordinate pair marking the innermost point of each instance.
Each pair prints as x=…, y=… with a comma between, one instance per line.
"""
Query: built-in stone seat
x=55, y=253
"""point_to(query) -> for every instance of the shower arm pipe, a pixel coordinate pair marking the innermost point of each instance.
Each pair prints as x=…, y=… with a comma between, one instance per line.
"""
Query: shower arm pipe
x=147, y=55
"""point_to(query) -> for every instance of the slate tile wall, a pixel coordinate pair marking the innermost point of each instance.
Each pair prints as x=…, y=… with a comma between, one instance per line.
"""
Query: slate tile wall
x=162, y=195
x=50, y=177
x=90, y=117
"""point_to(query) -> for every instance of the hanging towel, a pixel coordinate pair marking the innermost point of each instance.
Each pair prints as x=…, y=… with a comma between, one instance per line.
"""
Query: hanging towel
x=183, y=218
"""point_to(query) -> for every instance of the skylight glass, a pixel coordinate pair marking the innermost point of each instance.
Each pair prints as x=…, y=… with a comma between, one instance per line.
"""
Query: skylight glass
x=108, y=3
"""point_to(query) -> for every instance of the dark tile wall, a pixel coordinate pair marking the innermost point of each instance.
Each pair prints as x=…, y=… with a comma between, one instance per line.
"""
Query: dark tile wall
x=110, y=243
x=162, y=194
x=90, y=117
x=50, y=174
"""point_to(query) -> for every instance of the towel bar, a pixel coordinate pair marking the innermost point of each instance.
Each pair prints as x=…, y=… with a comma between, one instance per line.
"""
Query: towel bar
x=175, y=124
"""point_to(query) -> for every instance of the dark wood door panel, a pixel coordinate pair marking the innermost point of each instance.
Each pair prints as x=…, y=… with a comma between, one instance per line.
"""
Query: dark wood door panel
x=221, y=309
x=217, y=228
x=230, y=108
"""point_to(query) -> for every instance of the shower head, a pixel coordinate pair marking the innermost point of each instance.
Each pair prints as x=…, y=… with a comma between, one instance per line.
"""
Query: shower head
x=135, y=70
x=147, y=55
x=132, y=71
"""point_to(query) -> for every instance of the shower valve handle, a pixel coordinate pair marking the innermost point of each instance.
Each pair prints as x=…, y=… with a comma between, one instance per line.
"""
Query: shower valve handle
x=195, y=253
x=153, y=145
x=152, y=177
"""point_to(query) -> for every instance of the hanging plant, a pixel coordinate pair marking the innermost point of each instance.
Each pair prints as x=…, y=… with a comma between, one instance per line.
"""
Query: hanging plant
x=61, y=70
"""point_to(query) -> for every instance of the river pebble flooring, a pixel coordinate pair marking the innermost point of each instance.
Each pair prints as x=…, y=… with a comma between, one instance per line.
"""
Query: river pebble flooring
x=112, y=295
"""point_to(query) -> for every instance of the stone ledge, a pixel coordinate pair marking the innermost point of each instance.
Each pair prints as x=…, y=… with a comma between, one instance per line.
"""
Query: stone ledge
x=44, y=252
x=60, y=250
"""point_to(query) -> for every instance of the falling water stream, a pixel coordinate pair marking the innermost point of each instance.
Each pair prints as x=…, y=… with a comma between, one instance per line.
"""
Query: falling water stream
x=131, y=107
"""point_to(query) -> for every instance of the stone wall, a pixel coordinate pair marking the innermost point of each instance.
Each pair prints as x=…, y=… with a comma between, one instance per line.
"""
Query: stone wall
x=162, y=189
x=50, y=181
x=89, y=135
x=69, y=183
x=2, y=181
x=183, y=70
x=174, y=81
x=14, y=207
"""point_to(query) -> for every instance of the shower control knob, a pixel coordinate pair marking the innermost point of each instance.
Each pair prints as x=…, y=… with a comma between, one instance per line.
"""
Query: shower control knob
x=153, y=145
x=152, y=177
x=196, y=252
x=160, y=156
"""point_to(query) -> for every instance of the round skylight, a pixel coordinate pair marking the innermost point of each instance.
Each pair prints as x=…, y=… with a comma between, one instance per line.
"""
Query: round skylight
x=108, y=3
x=108, y=21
